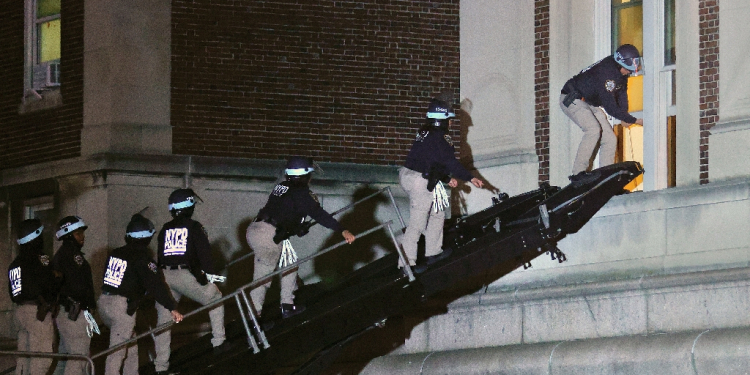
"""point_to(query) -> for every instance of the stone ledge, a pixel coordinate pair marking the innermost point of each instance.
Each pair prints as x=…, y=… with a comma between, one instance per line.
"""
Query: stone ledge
x=713, y=352
x=196, y=166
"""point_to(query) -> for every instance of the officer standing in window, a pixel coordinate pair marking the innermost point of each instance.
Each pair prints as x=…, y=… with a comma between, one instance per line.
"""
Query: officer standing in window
x=76, y=294
x=184, y=254
x=33, y=288
x=603, y=84
x=430, y=162
x=290, y=202
x=130, y=274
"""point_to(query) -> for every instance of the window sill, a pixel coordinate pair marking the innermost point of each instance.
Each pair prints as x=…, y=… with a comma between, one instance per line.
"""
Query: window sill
x=47, y=99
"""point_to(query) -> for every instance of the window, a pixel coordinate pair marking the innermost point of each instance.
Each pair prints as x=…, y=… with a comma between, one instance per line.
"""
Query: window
x=629, y=26
x=42, y=62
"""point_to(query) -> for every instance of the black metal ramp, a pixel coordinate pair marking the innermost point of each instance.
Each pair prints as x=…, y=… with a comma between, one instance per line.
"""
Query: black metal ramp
x=486, y=246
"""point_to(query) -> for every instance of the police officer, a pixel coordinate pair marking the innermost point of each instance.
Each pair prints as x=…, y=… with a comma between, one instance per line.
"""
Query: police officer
x=76, y=294
x=290, y=202
x=603, y=84
x=431, y=161
x=33, y=287
x=129, y=275
x=184, y=254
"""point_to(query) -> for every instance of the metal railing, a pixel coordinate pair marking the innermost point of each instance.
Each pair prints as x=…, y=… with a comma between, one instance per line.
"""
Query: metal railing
x=245, y=307
x=340, y=210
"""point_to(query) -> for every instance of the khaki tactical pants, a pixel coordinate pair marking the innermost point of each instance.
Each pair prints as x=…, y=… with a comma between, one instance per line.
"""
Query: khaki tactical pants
x=33, y=336
x=422, y=218
x=113, y=310
x=267, y=253
x=596, y=129
x=73, y=340
x=183, y=283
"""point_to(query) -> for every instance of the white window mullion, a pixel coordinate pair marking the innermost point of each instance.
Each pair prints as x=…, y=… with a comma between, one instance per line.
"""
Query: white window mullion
x=654, y=97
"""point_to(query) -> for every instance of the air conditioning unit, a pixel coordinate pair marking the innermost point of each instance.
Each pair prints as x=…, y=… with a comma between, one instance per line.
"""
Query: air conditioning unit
x=46, y=75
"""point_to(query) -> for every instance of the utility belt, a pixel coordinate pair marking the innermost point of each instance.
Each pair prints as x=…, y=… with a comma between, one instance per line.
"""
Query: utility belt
x=571, y=94
x=436, y=173
x=266, y=219
x=175, y=267
x=42, y=307
x=72, y=307
x=132, y=302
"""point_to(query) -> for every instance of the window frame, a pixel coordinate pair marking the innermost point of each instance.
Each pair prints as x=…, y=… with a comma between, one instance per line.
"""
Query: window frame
x=49, y=96
x=658, y=103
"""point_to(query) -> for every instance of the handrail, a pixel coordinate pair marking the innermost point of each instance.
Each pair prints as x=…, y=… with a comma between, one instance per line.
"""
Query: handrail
x=239, y=290
x=340, y=210
x=90, y=360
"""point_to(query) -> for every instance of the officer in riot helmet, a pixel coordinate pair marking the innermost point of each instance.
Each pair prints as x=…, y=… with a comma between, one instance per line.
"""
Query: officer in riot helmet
x=290, y=202
x=76, y=294
x=430, y=163
x=603, y=85
x=33, y=287
x=130, y=274
x=184, y=255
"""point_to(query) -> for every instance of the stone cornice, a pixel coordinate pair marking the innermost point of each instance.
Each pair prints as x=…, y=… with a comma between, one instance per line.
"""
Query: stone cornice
x=195, y=166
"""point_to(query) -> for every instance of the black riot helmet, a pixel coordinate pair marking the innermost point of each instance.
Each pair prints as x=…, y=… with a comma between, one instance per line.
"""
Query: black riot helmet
x=629, y=58
x=139, y=229
x=30, y=232
x=299, y=169
x=182, y=202
x=68, y=225
x=439, y=111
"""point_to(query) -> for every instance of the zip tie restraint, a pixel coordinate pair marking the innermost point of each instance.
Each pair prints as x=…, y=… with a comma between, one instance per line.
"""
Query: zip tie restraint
x=440, y=197
x=288, y=255
x=92, y=327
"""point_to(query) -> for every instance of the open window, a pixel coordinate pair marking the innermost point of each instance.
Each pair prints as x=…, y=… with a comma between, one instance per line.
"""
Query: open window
x=628, y=27
x=42, y=57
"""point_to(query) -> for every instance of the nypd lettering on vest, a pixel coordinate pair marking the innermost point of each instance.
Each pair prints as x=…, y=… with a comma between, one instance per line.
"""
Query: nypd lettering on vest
x=115, y=272
x=175, y=241
x=14, y=276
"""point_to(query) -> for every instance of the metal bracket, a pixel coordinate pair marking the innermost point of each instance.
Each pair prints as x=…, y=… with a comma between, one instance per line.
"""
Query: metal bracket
x=556, y=253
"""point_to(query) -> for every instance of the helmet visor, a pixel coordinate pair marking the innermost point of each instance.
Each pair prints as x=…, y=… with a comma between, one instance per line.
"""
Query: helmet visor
x=632, y=64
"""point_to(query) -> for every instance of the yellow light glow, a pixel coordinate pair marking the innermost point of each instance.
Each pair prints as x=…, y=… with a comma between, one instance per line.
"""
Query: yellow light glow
x=49, y=41
x=635, y=94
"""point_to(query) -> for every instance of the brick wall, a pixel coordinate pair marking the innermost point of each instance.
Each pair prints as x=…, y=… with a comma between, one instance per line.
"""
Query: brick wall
x=343, y=81
x=541, y=86
x=708, y=12
x=48, y=134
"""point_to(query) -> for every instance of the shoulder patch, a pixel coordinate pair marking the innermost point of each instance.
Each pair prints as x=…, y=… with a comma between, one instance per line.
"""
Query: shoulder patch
x=204, y=230
x=448, y=139
x=279, y=190
x=44, y=259
x=78, y=259
x=610, y=85
x=421, y=135
x=314, y=197
x=152, y=267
